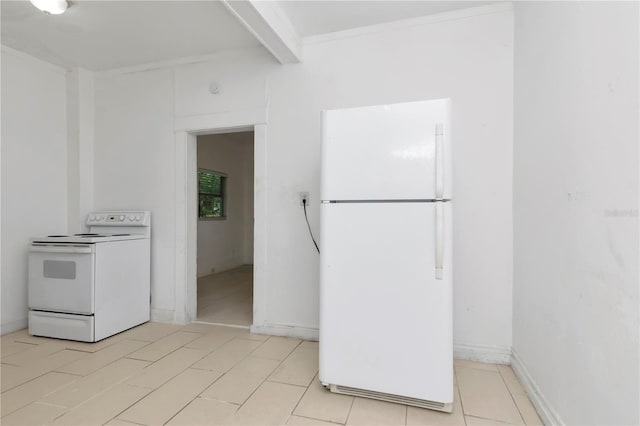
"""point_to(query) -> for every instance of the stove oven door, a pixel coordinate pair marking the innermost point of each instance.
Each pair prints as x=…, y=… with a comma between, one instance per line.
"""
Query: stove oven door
x=61, y=278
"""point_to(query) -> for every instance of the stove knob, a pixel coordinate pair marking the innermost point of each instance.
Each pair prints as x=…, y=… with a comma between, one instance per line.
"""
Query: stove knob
x=98, y=217
x=131, y=218
x=121, y=218
x=138, y=217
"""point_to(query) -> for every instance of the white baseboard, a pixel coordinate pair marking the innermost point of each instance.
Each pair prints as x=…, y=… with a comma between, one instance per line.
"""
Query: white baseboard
x=547, y=414
x=164, y=315
x=472, y=352
x=12, y=326
x=284, y=330
x=482, y=353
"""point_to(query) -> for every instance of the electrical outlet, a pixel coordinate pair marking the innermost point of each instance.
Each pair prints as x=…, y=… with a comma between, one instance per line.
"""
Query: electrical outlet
x=304, y=196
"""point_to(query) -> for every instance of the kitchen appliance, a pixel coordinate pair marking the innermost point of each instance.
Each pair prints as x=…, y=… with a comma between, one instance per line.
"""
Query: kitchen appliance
x=386, y=267
x=90, y=286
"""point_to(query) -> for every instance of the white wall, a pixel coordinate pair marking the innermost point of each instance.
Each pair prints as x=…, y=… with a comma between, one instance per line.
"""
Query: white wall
x=576, y=208
x=134, y=165
x=468, y=59
x=34, y=170
x=221, y=243
x=80, y=128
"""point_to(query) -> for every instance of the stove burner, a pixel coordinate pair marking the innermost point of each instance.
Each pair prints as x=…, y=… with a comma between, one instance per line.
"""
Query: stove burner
x=85, y=235
x=57, y=236
x=120, y=235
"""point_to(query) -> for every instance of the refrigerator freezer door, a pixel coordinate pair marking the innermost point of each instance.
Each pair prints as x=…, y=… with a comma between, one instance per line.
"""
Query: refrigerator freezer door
x=386, y=152
x=385, y=320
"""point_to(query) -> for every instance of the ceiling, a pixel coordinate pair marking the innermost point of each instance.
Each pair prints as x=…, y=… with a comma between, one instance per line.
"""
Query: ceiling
x=100, y=35
x=106, y=34
x=319, y=17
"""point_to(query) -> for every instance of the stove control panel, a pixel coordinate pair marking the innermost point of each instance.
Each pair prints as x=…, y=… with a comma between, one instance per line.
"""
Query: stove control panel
x=128, y=218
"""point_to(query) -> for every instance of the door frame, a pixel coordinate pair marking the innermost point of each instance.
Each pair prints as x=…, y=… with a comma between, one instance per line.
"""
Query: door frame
x=186, y=205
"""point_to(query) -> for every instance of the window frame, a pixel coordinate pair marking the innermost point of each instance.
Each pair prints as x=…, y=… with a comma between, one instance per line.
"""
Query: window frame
x=223, y=194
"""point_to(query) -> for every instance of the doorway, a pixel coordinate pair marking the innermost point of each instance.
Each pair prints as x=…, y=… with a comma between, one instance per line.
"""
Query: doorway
x=225, y=176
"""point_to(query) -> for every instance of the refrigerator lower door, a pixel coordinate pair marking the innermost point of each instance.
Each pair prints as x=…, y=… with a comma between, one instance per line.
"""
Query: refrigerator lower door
x=385, y=320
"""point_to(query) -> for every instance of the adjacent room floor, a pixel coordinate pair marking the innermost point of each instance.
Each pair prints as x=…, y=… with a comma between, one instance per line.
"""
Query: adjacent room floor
x=201, y=374
x=227, y=297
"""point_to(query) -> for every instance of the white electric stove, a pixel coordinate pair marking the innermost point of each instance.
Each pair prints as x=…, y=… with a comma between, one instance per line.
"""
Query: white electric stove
x=90, y=286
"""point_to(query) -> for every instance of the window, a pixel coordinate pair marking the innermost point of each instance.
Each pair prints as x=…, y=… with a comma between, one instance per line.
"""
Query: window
x=211, y=186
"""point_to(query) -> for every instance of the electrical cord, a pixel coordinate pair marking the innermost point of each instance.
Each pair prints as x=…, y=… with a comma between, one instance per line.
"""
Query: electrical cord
x=304, y=205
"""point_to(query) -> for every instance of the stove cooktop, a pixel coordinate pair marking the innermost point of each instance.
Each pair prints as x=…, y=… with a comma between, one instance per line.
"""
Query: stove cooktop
x=88, y=235
x=86, y=238
x=106, y=226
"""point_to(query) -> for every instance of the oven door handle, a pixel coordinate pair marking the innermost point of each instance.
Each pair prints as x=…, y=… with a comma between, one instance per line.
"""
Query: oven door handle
x=37, y=248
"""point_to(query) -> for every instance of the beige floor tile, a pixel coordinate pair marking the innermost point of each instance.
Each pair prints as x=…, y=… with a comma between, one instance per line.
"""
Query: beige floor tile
x=527, y=410
x=241, y=381
x=212, y=340
x=168, y=367
x=11, y=337
x=11, y=347
x=227, y=297
x=150, y=331
x=271, y=404
x=228, y=355
x=204, y=328
x=165, y=402
x=297, y=420
x=299, y=368
x=95, y=346
x=277, y=348
x=422, y=416
x=156, y=350
x=204, y=412
x=234, y=314
x=24, y=337
x=33, y=390
x=319, y=403
x=511, y=380
x=34, y=353
x=118, y=422
x=310, y=344
x=14, y=376
x=33, y=414
x=98, y=383
x=246, y=334
x=474, y=364
x=484, y=394
x=91, y=385
x=478, y=421
x=94, y=361
x=103, y=407
x=366, y=411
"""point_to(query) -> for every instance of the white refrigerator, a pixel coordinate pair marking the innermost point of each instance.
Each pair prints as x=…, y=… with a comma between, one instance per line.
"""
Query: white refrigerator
x=386, y=266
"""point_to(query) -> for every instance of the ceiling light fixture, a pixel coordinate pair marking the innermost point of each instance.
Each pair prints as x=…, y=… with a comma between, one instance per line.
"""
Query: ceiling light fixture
x=54, y=7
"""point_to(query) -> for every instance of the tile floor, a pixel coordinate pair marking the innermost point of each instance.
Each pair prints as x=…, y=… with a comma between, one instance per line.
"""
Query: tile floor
x=200, y=374
x=227, y=297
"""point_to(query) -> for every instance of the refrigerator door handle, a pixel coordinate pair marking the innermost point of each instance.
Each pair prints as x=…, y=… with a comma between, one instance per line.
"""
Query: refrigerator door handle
x=439, y=239
x=439, y=166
